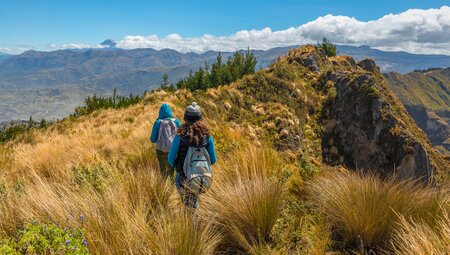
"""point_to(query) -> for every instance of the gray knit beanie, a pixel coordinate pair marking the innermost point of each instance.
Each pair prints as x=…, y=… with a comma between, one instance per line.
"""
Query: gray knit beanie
x=193, y=113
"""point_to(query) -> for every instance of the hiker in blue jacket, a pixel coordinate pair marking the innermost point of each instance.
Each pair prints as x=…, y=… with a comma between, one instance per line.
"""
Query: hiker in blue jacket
x=163, y=132
x=193, y=133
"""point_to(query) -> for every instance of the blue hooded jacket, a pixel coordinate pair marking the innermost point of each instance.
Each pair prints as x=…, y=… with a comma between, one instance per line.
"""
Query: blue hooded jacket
x=164, y=113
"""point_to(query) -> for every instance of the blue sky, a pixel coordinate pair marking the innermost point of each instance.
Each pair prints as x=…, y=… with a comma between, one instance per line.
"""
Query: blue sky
x=40, y=23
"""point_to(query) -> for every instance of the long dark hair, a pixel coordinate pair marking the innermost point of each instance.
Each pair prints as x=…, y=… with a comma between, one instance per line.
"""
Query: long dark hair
x=195, y=131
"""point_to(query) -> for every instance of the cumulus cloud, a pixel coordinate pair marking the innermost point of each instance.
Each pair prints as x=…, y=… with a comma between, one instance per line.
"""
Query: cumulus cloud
x=415, y=30
x=255, y=39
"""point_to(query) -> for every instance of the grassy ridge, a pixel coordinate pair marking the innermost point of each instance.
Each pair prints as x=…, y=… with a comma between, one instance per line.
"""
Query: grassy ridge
x=271, y=193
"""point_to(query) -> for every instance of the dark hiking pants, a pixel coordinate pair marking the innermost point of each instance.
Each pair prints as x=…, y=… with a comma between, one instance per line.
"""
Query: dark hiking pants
x=189, y=199
x=164, y=167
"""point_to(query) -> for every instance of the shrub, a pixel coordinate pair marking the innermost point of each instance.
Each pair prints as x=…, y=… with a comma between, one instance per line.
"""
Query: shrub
x=220, y=73
x=364, y=210
x=166, y=84
x=418, y=238
x=14, y=130
x=45, y=238
x=307, y=168
x=328, y=47
x=90, y=176
x=298, y=231
x=91, y=104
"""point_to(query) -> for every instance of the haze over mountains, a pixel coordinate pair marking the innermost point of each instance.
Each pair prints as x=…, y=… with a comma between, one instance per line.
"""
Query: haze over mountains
x=51, y=84
x=4, y=56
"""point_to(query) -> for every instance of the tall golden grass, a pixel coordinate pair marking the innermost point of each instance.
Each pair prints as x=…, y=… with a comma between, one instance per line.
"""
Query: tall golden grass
x=245, y=212
x=181, y=233
x=419, y=238
x=100, y=173
x=364, y=210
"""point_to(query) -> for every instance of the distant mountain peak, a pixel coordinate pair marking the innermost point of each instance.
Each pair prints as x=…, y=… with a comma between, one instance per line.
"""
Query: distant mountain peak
x=109, y=43
x=367, y=47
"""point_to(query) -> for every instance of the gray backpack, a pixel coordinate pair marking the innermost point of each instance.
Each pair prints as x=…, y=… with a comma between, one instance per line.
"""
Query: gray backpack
x=197, y=169
x=167, y=132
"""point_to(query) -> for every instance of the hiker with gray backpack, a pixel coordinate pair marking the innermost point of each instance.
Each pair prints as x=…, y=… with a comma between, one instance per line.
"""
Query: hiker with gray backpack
x=163, y=133
x=192, y=154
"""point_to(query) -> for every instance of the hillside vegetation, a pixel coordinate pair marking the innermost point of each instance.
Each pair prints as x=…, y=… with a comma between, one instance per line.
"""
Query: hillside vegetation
x=308, y=150
x=57, y=81
x=426, y=96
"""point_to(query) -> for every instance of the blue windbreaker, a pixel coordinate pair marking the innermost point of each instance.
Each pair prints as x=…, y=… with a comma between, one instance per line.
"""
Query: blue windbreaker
x=164, y=113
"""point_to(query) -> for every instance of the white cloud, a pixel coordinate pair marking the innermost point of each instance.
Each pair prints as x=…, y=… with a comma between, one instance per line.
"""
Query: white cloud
x=74, y=46
x=415, y=30
x=419, y=31
x=14, y=49
x=255, y=39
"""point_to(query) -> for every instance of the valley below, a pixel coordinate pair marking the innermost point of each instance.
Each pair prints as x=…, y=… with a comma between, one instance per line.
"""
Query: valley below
x=51, y=84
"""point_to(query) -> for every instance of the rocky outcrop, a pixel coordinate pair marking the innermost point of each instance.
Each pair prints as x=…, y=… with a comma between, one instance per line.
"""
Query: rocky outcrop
x=436, y=128
x=365, y=126
x=362, y=133
x=332, y=110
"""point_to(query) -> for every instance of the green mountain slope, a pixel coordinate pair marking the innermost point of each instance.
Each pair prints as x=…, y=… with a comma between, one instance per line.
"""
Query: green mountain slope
x=426, y=96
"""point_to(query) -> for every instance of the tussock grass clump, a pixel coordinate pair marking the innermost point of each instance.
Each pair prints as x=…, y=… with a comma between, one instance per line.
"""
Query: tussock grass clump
x=249, y=162
x=149, y=190
x=364, y=210
x=418, y=238
x=246, y=212
x=115, y=219
x=180, y=232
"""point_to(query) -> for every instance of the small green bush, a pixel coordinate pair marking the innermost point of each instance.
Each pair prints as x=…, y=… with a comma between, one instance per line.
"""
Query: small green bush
x=14, y=130
x=328, y=47
x=220, y=73
x=45, y=238
x=307, y=168
x=93, y=176
x=94, y=103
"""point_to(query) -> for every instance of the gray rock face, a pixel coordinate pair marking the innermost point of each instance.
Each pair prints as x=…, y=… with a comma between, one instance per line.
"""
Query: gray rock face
x=436, y=128
x=368, y=65
x=366, y=128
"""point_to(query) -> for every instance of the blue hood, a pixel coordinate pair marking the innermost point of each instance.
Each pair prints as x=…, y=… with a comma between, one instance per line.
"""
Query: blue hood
x=164, y=111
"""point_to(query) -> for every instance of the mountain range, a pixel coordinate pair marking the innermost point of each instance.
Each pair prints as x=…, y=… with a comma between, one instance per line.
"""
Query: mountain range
x=51, y=84
x=4, y=56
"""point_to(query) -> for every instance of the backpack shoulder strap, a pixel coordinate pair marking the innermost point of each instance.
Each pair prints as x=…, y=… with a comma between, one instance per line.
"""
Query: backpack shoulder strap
x=206, y=153
x=188, y=159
